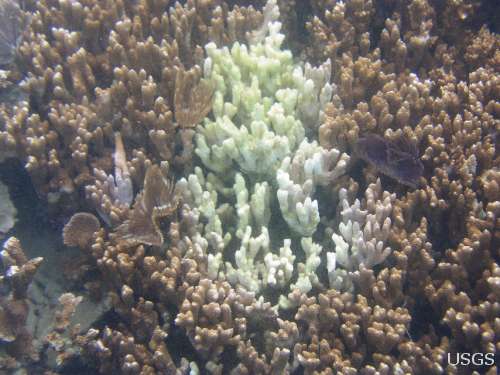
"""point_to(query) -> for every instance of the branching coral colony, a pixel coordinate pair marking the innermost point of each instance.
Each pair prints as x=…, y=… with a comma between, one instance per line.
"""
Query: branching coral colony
x=274, y=249
x=261, y=166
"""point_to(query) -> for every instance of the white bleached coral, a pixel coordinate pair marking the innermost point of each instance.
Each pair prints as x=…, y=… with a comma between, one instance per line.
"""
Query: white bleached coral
x=297, y=178
x=256, y=158
x=7, y=211
x=315, y=92
x=252, y=210
x=253, y=273
x=112, y=195
x=261, y=98
x=363, y=233
x=204, y=214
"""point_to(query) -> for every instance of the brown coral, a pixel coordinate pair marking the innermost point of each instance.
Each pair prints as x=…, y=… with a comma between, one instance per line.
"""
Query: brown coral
x=155, y=203
x=80, y=229
x=18, y=273
x=135, y=80
x=111, y=97
x=192, y=100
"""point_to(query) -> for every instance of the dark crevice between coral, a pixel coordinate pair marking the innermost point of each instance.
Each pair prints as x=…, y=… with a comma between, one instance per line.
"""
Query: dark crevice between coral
x=383, y=11
x=109, y=319
x=179, y=346
x=179, y=170
x=324, y=194
x=322, y=274
x=31, y=210
x=490, y=9
x=446, y=230
x=389, y=184
x=304, y=12
x=229, y=358
x=96, y=151
x=103, y=78
x=272, y=295
x=484, y=13
x=425, y=320
x=495, y=244
x=36, y=106
x=288, y=314
x=258, y=4
x=76, y=365
x=85, y=364
x=257, y=326
x=178, y=343
x=295, y=29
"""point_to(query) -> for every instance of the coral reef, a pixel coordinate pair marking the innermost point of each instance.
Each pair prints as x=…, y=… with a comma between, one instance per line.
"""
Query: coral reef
x=255, y=202
x=123, y=67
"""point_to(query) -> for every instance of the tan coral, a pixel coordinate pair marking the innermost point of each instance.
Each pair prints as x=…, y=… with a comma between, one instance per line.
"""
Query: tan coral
x=19, y=270
x=208, y=314
x=18, y=273
x=96, y=69
x=133, y=357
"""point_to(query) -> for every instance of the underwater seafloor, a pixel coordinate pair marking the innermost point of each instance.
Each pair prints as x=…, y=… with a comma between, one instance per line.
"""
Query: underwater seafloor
x=249, y=187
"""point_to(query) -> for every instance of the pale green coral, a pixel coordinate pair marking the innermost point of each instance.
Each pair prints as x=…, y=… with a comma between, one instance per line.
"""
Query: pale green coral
x=297, y=179
x=199, y=193
x=279, y=267
x=261, y=166
x=257, y=266
x=307, y=271
x=255, y=212
x=260, y=97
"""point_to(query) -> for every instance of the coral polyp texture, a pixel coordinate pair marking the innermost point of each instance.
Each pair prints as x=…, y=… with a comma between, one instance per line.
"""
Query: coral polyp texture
x=290, y=187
